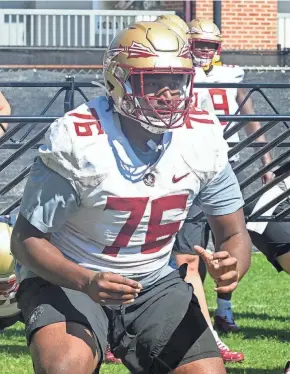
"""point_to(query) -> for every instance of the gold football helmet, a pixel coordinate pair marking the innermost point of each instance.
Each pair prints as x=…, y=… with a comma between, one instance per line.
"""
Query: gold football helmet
x=8, y=284
x=148, y=74
x=175, y=23
x=204, y=38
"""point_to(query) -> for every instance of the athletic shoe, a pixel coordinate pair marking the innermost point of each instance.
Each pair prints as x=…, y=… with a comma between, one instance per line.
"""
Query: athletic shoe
x=226, y=323
x=228, y=355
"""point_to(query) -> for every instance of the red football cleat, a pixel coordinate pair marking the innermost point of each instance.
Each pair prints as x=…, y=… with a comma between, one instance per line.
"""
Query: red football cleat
x=226, y=324
x=110, y=358
x=228, y=355
x=287, y=368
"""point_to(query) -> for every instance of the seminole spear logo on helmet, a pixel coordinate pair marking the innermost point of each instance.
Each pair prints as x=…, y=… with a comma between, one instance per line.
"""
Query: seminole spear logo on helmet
x=136, y=50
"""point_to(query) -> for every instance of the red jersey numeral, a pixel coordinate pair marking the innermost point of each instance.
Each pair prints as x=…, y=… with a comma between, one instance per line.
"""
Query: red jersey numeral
x=156, y=229
x=84, y=128
x=223, y=105
x=137, y=206
x=197, y=115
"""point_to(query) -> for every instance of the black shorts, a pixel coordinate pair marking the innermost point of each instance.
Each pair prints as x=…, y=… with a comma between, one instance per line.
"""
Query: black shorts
x=162, y=330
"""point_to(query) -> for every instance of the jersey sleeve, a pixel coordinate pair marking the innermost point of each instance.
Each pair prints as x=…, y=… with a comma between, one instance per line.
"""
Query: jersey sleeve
x=57, y=150
x=71, y=148
x=222, y=195
x=48, y=199
x=229, y=73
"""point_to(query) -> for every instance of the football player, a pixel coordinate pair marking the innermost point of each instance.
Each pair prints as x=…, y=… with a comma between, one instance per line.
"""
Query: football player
x=105, y=198
x=199, y=231
x=205, y=42
x=9, y=312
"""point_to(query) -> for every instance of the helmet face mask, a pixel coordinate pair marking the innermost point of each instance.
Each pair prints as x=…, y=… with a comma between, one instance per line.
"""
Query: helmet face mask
x=203, y=51
x=158, y=97
x=151, y=80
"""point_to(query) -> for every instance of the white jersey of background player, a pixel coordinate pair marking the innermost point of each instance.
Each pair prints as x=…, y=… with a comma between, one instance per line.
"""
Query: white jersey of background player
x=205, y=43
x=224, y=101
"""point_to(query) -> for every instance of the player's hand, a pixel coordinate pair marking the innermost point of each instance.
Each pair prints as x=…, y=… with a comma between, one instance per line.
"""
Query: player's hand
x=268, y=177
x=112, y=289
x=222, y=268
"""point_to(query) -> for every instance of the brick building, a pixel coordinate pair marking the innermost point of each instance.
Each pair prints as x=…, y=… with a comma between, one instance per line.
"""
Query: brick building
x=246, y=24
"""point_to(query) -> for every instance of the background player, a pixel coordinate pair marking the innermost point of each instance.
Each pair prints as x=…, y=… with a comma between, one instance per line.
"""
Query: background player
x=205, y=42
x=99, y=215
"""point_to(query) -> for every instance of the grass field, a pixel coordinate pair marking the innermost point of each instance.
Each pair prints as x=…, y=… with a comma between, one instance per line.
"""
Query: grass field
x=262, y=310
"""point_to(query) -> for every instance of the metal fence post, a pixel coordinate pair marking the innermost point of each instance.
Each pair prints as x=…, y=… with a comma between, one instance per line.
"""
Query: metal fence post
x=69, y=94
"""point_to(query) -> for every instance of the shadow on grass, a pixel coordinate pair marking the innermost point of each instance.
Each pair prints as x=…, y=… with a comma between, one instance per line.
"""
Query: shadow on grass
x=10, y=333
x=13, y=350
x=256, y=332
x=260, y=316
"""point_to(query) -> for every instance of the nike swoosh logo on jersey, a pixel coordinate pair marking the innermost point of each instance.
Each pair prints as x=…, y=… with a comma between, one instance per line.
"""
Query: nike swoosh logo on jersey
x=175, y=180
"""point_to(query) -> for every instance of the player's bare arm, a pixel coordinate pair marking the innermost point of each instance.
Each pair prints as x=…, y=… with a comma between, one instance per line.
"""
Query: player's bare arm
x=234, y=256
x=253, y=126
x=5, y=110
x=31, y=248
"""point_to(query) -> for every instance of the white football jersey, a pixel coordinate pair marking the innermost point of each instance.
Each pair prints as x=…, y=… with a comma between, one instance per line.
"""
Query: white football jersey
x=225, y=100
x=129, y=212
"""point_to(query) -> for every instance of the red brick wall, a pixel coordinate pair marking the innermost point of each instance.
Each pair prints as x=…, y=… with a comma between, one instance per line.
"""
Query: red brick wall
x=249, y=24
x=246, y=24
x=204, y=9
